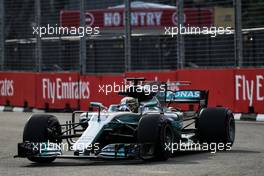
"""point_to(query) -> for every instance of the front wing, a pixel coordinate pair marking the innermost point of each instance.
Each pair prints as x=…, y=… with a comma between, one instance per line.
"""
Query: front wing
x=111, y=151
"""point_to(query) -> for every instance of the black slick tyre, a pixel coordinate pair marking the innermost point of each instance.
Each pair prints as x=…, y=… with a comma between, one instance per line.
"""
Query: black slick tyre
x=216, y=125
x=42, y=128
x=156, y=133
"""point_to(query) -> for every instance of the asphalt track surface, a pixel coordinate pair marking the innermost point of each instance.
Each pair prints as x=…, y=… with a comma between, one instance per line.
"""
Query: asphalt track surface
x=246, y=157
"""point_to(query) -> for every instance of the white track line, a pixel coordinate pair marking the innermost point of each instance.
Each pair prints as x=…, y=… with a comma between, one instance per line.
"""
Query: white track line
x=237, y=116
x=18, y=109
x=2, y=108
x=260, y=117
x=38, y=111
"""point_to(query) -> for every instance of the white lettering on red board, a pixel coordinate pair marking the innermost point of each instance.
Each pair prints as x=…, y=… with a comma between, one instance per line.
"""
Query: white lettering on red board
x=6, y=87
x=249, y=90
x=117, y=19
x=59, y=89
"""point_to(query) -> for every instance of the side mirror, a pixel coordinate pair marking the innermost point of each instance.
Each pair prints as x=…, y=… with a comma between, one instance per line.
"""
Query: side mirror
x=97, y=104
x=100, y=106
x=150, y=104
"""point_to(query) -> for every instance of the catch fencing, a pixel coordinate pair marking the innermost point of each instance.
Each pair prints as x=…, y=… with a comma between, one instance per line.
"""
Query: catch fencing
x=128, y=35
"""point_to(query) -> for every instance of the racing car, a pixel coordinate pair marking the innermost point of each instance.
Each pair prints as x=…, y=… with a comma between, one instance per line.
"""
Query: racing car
x=145, y=125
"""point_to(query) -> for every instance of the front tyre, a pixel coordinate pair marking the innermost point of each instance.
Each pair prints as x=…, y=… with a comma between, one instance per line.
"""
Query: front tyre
x=155, y=133
x=42, y=128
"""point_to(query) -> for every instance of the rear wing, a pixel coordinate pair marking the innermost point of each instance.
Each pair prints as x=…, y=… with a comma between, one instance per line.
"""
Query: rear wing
x=187, y=96
x=168, y=92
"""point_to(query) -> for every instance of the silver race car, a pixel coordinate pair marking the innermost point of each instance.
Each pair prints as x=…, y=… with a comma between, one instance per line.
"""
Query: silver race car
x=146, y=125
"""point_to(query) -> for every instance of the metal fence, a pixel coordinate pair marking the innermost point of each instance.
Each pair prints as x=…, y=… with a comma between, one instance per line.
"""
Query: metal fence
x=132, y=35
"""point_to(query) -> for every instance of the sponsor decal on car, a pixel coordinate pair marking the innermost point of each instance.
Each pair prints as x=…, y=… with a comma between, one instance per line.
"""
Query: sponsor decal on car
x=183, y=94
x=187, y=94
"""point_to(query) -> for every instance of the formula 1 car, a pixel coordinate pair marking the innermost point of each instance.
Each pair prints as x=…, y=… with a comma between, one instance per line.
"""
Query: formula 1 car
x=147, y=132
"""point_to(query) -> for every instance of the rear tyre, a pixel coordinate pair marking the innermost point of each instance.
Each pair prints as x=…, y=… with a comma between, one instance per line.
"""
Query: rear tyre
x=155, y=134
x=42, y=128
x=216, y=125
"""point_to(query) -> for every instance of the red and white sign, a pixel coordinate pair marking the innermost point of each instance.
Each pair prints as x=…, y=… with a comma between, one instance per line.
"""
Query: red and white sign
x=99, y=85
x=89, y=19
x=6, y=87
x=249, y=89
x=60, y=90
x=17, y=89
x=140, y=18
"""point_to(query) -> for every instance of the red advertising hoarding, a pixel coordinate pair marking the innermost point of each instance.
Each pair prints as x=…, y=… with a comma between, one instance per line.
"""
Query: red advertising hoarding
x=237, y=89
x=248, y=90
x=218, y=82
x=103, y=89
x=60, y=90
x=17, y=89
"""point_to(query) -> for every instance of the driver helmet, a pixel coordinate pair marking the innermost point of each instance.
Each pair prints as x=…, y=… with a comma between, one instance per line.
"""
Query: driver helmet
x=131, y=103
